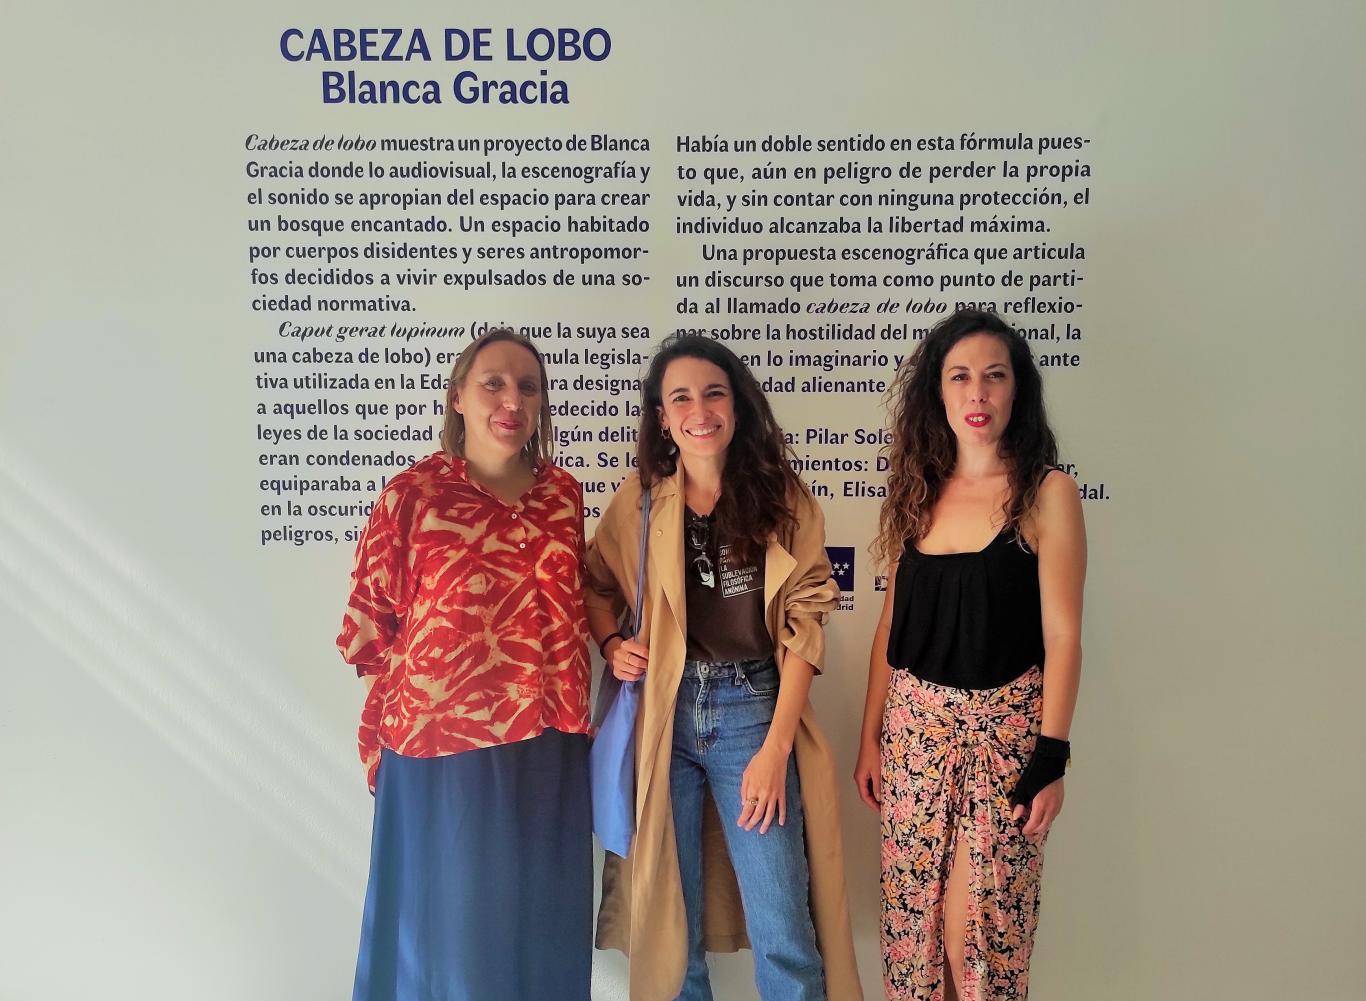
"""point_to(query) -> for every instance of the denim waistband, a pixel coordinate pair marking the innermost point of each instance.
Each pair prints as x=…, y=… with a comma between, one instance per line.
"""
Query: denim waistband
x=701, y=670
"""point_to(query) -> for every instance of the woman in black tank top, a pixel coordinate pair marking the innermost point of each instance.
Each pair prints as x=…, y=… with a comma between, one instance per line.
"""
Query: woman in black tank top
x=973, y=676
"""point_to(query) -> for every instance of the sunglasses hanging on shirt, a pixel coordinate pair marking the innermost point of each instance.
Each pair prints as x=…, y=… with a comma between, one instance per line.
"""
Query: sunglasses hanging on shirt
x=699, y=543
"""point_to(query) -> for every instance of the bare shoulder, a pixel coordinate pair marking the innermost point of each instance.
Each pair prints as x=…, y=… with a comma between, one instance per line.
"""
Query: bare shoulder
x=1057, y=511
x=1059, y=489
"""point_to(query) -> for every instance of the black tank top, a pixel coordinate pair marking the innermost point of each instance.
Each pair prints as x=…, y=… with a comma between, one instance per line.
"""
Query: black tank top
x=967, y=620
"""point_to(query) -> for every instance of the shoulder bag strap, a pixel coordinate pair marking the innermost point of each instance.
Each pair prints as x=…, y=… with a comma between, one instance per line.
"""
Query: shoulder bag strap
x=640, y=571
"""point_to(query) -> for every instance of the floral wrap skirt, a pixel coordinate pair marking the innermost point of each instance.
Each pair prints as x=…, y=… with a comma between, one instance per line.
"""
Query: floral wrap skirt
x=950, y=759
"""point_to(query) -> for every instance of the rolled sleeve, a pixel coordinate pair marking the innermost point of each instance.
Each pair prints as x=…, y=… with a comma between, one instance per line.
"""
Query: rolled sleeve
x=813, y=593
x=600, y=585
x=372, y=619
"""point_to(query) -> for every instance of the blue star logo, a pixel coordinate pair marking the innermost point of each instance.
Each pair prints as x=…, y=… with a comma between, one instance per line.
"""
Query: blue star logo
x=842, y=566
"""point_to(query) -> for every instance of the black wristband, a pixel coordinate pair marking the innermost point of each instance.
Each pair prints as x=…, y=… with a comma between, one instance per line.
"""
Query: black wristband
x=1046, y=765
x=602, y=647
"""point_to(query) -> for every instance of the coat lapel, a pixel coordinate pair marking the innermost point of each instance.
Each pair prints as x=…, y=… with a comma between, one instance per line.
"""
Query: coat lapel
x=778, y=566
x=667, y=633
x=666, y=542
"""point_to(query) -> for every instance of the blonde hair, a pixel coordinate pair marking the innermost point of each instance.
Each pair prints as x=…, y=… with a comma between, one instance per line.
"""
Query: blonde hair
x=540, y=448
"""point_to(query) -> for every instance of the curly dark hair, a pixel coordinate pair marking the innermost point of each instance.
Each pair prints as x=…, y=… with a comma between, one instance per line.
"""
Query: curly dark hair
x=923, y=449
x=758, y=456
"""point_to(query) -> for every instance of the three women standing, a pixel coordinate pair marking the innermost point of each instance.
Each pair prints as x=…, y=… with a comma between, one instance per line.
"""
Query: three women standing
x=466, y=620
x=735, y=781
x=975, y=663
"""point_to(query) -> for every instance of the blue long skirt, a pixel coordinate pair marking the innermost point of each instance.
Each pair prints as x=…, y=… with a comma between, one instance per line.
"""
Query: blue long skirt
x=481, y=876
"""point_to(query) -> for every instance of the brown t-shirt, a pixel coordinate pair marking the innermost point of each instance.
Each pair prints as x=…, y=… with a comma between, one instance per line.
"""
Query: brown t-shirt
x=725, y=601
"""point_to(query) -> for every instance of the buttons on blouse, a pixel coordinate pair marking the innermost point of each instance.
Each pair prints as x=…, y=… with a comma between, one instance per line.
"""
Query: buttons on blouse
x=514, y=515
x=521, y=545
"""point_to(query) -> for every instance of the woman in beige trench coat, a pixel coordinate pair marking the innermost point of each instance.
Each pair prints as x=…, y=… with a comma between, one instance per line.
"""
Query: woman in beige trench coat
x=696, y=396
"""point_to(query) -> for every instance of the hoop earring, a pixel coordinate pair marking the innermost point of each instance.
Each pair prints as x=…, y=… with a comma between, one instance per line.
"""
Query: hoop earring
x=663, y=431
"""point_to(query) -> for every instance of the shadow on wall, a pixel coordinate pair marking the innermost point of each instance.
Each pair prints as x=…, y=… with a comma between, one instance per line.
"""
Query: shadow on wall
x=209, y=701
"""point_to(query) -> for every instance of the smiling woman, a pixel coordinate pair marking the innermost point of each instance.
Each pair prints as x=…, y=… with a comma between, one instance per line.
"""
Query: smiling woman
x=738, y=806
x=466, y=620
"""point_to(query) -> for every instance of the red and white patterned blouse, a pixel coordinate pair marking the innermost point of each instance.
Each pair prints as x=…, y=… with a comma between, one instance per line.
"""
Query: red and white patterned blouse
x=470, y=612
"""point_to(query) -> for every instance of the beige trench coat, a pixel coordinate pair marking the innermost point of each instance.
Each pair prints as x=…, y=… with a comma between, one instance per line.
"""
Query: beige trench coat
x=642, y=896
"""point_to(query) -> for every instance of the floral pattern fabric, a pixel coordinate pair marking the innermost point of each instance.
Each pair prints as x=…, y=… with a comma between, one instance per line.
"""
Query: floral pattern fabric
x=950, y=758
x=469, y=612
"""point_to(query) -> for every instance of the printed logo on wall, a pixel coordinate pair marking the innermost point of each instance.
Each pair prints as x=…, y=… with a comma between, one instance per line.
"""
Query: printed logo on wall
x=842, y=569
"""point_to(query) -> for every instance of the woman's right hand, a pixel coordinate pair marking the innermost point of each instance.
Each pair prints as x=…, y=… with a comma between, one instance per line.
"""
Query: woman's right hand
x=628, y=658
x=868, y=775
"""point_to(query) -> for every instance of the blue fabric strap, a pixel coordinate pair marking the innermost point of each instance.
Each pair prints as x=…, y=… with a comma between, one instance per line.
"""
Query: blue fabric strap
x=640, y=566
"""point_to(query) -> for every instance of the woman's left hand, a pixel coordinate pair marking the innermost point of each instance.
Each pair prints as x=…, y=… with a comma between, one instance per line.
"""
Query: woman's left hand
x=1042, y=812
x=763, y=789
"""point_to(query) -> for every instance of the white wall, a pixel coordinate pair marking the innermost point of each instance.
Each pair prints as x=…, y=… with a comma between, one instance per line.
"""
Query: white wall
x=184, y=812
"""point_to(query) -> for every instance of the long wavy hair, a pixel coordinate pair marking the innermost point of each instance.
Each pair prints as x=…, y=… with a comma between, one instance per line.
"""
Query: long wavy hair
x=759, y=488
x=923, y=449
x=539, y=451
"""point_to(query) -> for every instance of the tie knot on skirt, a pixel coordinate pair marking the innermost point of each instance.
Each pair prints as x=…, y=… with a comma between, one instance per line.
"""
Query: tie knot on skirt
x=950, y=759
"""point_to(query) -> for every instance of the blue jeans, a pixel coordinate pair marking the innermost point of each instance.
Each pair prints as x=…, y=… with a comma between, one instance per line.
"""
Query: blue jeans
x=720, y=721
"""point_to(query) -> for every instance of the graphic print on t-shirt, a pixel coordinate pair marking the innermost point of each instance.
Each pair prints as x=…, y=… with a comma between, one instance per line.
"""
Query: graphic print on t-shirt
x=737, y=580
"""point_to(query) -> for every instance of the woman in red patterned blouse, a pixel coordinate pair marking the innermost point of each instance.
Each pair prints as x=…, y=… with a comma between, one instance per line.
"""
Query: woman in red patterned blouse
x=466, y=620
